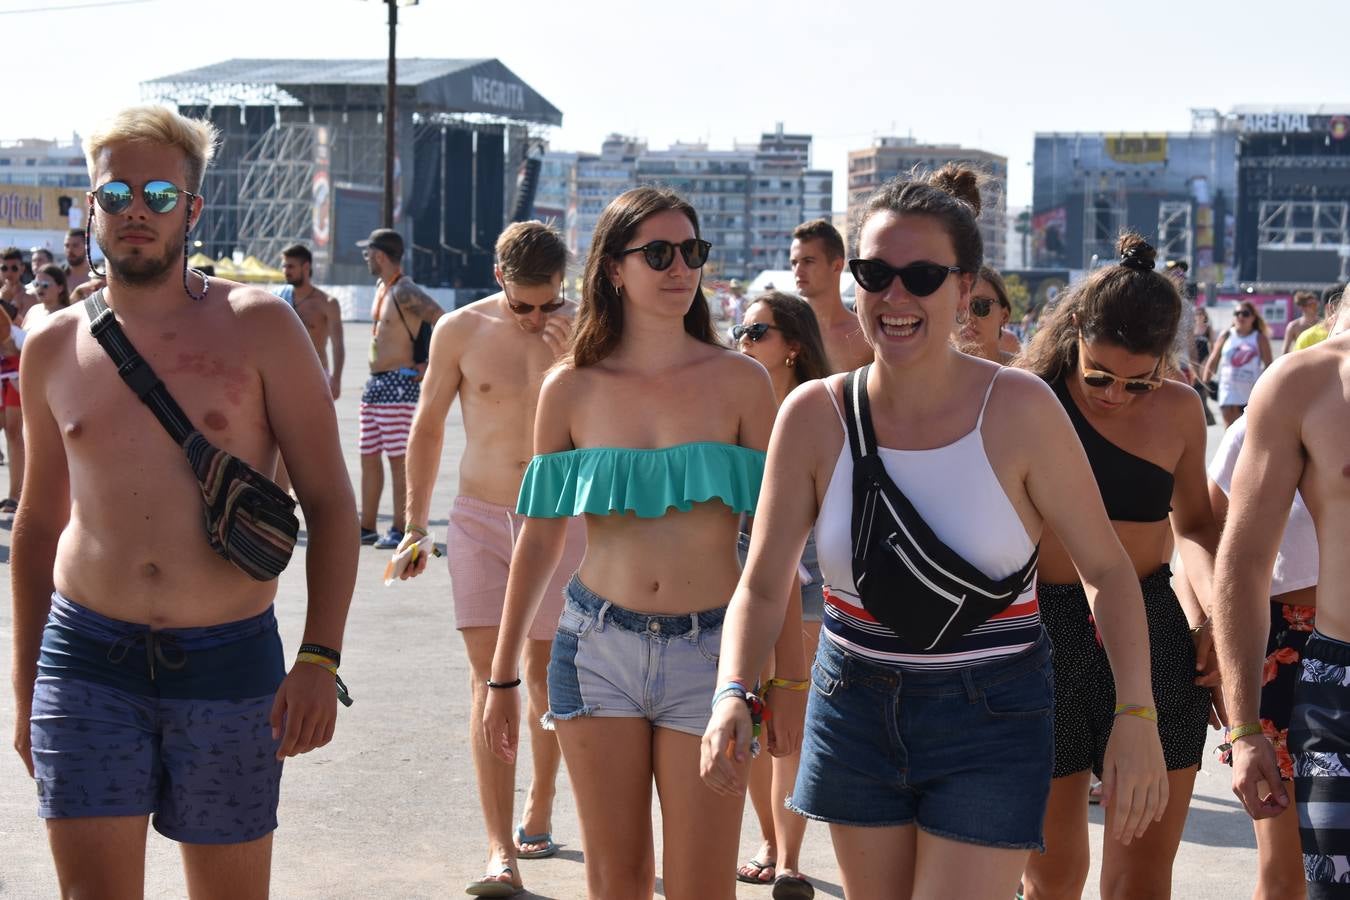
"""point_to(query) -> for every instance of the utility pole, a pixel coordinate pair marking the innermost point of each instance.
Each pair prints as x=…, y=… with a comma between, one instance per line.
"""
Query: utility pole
x=390, y=114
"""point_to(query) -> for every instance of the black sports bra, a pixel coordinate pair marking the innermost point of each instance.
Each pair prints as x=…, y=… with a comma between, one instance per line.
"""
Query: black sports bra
x=1133, y=489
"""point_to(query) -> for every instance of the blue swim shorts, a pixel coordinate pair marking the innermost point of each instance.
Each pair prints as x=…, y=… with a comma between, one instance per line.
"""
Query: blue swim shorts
x=128, y=721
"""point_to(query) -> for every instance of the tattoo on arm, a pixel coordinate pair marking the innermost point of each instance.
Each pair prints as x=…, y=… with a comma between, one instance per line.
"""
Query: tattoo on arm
x=413, y=299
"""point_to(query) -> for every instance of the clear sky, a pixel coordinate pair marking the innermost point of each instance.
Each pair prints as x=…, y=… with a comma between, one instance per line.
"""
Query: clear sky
x=982, y=73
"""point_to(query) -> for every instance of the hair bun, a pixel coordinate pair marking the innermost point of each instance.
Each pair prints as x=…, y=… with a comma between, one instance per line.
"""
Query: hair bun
x=1136, y=253
x=960, y=182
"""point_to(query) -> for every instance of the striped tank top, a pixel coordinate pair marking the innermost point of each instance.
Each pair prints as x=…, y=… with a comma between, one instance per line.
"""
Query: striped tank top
x=956, y=491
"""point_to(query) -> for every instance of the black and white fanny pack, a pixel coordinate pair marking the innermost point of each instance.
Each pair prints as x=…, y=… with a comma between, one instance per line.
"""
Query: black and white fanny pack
x=906, y=577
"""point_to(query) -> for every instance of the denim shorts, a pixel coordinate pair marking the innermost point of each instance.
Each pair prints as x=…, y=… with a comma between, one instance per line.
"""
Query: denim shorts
x=128, y=721
x=964, y=754
x=611, y=661
x=813, y=594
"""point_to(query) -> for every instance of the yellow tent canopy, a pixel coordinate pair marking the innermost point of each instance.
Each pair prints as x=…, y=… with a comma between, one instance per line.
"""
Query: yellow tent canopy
x=199, y=259
x=226, y=268
x=255, y=270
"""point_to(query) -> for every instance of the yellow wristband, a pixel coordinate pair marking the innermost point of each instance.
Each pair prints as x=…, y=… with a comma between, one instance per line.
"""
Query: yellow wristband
x=1242, y=731
x=1140, y=712
x=787, y=685
x=315, y=659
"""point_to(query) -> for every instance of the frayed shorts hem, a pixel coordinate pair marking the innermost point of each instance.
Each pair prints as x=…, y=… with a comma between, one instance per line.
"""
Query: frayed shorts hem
x=549, y=720
x=1038, y=846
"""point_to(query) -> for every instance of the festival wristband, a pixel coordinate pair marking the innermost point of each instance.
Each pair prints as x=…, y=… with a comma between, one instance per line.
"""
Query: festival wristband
x=321, y=650
x=417, y=529
x=1140, y=712
x=789, y=685
x=731, y=689
x=1242, y=731
x=315, y=659
x=503, y=685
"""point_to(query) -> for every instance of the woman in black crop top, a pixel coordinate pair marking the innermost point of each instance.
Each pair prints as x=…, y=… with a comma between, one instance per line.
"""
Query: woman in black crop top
x=1104, y=350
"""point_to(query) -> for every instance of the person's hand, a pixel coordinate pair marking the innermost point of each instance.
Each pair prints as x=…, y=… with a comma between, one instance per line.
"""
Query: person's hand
x=725, y=759
x=1254, y=768
x=23, y=735
x=785, y=725
x=335, y=385
x=501, y=722
x=306, y=704
x=1134, y=778
x=1206, y=660
x=557, y=332
x=418, y=562
x=1218, y=713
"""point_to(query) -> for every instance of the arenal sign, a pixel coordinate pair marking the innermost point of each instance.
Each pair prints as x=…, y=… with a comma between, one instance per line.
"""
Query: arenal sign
x=1276, y=122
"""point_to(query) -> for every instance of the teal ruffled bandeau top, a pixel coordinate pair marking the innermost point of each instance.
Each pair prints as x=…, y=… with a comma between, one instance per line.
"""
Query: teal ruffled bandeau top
x=604, y=480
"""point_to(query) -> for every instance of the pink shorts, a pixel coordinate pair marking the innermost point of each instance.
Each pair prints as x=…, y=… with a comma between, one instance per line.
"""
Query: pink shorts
x=478, y=545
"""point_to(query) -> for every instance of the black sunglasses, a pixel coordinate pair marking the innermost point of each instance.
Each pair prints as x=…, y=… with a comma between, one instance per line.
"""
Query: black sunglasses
x=981, y=307
x=660, y=254
x=920, y=278
x=755, y=332
x=524, y=309
x=159, y=196
x=1244, y=313
x=11, y=267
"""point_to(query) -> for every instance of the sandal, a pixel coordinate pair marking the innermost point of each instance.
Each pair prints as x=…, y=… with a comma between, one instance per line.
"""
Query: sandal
x=546, y=837
x=489, y=886
x=9, y=505
x=1095, y=793
x=792, y=887
x=757, y=876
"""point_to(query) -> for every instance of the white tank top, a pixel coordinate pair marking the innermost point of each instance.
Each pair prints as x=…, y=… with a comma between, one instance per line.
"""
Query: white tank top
x=955, y=490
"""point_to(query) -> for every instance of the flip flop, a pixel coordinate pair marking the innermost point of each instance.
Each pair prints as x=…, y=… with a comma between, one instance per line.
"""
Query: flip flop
x=542, y=838
x=488, y=886
x=759, y=868
x=792, y=887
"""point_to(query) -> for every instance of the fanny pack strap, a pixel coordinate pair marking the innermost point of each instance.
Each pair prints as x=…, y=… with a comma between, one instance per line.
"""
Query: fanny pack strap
x=135, y=371
x=862, y=442
x=862, y=438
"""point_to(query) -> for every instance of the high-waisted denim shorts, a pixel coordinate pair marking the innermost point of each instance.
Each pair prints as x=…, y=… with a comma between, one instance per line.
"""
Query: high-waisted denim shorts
x=964, y=754
x=611, y=661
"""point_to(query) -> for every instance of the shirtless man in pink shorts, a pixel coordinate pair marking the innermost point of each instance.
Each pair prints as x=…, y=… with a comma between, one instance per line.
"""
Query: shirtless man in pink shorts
x=493, y=354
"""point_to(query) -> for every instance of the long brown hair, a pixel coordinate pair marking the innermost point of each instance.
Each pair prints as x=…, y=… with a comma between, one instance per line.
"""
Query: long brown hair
x=796, y=321
x=599, y=324
x=1127, y=304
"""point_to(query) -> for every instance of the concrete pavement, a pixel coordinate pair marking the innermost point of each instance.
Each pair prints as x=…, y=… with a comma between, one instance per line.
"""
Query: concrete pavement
x=389, y=809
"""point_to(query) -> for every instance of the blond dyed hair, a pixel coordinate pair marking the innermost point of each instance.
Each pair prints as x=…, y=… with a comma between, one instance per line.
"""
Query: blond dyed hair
x=157, y=125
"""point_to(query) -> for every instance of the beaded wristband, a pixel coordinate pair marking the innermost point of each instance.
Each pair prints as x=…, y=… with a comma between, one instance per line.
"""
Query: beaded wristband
x=1242, y=731
x=788, y=685
x=321, y=650
x=1133, y=709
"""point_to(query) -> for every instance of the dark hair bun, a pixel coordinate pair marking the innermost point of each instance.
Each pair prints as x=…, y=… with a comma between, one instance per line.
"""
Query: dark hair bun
x=960, y=182
x=1135, y=252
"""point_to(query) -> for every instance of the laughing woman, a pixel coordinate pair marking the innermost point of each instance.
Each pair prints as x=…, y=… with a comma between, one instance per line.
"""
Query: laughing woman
x=656, y=434
x=927, y=744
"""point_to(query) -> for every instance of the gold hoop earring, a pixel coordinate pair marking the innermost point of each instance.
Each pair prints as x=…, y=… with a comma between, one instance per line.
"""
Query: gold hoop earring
x=791, y=361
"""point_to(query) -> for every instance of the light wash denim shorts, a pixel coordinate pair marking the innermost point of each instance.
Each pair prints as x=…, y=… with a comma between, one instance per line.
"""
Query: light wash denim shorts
x=611, y=661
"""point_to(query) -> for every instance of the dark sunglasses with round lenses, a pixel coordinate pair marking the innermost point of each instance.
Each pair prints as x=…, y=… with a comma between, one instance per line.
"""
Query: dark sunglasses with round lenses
x=159, y=196
x=920, y=278
x=524, y=309
x=755, y=332
x=660, y=254
x=981, y=306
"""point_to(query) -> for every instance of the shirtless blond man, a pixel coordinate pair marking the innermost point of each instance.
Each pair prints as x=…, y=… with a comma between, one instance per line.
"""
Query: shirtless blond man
x=818, y=258
x=320, y=313
x=493, y=355
x=395, y=383
x=1298, y=437
x=148, y=672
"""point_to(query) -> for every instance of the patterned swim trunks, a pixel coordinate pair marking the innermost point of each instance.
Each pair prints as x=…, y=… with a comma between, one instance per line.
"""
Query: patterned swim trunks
x=1319, y=739
x=387, y=406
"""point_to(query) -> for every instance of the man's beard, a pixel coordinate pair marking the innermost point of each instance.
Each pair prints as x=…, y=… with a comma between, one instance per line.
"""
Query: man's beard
x=298, y=281
x=139, y=269
x=74, y=262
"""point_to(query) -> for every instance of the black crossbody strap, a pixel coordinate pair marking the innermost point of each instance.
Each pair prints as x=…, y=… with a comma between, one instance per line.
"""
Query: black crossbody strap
x=135, y=371
x=862, y=437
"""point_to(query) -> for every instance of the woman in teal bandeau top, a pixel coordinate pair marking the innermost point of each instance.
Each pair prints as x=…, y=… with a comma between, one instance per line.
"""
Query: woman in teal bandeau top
x=656, y=433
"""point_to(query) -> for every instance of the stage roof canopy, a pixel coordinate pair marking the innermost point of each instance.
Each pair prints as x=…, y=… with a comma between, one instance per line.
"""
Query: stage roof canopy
x=437, y=86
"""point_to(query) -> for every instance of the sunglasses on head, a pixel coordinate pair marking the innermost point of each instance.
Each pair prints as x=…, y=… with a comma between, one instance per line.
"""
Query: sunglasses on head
x=524, y=309
x=660, y=254
x=920, y=278
x=755, y=332
x=159, y=196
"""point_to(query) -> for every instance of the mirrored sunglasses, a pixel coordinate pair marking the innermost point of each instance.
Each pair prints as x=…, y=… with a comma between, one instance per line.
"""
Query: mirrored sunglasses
x=160, y=196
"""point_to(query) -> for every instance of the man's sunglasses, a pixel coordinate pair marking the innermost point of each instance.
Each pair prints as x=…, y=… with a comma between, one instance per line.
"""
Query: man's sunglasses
x=524, y=309
x=755, y=332
x=159, y=196
x=920, y=279
x=660, y=254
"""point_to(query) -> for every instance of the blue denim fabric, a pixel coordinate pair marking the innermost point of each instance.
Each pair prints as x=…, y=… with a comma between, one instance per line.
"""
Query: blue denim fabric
x=963, y=753
x=611, y=661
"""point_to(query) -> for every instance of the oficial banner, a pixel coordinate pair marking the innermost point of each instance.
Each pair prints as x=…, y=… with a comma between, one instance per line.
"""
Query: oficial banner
x=32, y=208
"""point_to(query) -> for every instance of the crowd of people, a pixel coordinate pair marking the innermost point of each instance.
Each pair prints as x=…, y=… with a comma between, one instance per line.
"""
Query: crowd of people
x=924, y=566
